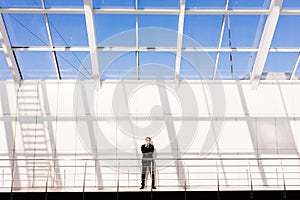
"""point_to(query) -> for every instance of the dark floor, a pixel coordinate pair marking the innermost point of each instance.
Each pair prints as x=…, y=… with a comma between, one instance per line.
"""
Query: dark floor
x=147, y=195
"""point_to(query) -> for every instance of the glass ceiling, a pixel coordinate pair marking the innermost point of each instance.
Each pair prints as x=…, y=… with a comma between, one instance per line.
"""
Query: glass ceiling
x=138, y=39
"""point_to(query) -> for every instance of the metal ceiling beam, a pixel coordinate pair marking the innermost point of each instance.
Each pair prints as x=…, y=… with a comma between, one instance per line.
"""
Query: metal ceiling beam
x=90, y=25
x=51, y=42
x=9, y=54
x=220, y=42
x=145, y=11
x=137, y=54
x=49, y=48
x=295, y=67
x=158, y=49
x=179, y=39
x=226, y=12
x=42, y=11
x=265, y=42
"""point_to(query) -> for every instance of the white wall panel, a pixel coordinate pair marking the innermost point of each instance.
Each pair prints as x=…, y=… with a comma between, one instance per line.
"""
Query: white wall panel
x=200, y=136
x=235, y=138
x=286, y=96
x=233, y=104
x=278, y=101
x=25, y=128
x=286, y=142
x=48, y=93
x=259, y=102
x=104, y=104
x=203, y=103
x=7, y=127
x=296, y=88
x=8, y=98
x=295, y=126
x=66, y=134
x=266, y=136
x=85, y=98
x=66, y=100
x=28, y=99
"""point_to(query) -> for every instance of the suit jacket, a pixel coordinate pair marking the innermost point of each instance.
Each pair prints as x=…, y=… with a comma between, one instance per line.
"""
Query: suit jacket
x=147, y=152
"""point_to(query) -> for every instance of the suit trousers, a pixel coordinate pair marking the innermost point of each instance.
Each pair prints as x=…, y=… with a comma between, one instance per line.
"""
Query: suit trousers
x=148, y=165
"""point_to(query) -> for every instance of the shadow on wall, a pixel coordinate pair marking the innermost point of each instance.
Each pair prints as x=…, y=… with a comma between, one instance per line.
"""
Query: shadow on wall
x=269, y=135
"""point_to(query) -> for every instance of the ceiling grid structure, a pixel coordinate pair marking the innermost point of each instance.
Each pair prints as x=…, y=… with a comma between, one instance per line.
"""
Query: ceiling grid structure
x=9, y=54
x=145, y=11
x=179, y=39
x=273, y=11
x=265, y=41
x=53, y=53
x=220, y=42
x=91, y=31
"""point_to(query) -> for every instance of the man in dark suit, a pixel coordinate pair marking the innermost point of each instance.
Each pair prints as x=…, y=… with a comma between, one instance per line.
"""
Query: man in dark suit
x=147, y=162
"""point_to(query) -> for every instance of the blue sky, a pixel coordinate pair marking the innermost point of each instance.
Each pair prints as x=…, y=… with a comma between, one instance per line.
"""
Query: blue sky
x=199, y=30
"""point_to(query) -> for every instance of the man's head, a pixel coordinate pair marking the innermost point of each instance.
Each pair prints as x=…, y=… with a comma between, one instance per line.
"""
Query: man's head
x=148, y=140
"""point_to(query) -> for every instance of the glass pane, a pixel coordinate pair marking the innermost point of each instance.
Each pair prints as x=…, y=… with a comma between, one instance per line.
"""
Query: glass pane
x=74, y=65
x=157, y=66
x=197, y=65
x=205, y=30
x=242, y=64
x=114, y=3
x=291, y=4
x=207, y=4
x=249, y=4
x=26, y=29
x=20, y=3
x=145, y=4
x=287, y=32
x=245, y=31
x=224, y=70
x=280, y=62
x=115, y=30
x=117, y=65
x=68, y=30
x=4, y=69
x=63, y=3
x=36, y=65
x=158, y=30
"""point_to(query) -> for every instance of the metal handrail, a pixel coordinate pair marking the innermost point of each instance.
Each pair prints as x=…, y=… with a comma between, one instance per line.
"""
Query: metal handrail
x=246, y=175
x=165, y=158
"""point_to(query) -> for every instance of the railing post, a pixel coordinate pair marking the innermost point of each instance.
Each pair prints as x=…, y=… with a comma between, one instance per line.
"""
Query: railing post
x=83, y=188
x=3, y=178
x=251, y=185
x=218, y=181
x=46, y=189
x=185, y=183
x=128, y=177
x=150, y=176
x=277, y=177
x=12, y=182
x=157, y=178
x=64, y=178
x=188, y=175
x=284, y=185
x=118, y=180
x=185, y=189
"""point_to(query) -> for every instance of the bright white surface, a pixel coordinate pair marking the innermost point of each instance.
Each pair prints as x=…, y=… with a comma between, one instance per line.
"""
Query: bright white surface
x=258, y=137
